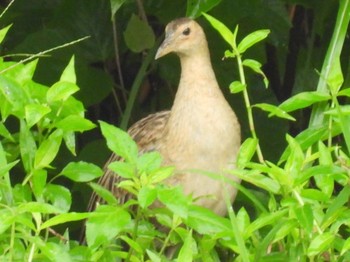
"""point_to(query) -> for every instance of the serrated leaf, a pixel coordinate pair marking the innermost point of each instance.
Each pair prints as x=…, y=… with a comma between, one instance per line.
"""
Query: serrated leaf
x=119, y=142
x=274, y=111
x=252, y=39
x=223, y=30
x=82, y=171
x=138, y=35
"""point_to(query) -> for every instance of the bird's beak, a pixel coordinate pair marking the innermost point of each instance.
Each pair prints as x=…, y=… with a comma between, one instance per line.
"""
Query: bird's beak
x=166, y=47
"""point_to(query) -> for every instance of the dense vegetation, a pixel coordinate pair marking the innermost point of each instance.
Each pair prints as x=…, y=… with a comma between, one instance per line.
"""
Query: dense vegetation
x=70, y=69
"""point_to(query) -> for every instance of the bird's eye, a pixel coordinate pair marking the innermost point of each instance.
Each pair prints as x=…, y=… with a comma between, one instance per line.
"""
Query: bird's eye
x=187, y=31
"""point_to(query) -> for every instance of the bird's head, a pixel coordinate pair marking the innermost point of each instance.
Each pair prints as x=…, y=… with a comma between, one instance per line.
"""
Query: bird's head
x=182, y=36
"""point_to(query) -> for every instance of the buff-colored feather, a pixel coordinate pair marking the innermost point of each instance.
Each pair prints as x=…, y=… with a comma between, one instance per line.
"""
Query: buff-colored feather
x=200, y=132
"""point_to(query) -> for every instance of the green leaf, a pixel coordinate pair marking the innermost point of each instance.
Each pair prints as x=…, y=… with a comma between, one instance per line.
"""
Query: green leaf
x=344, y=92
x=105, y=224
x=13, y=93
x=242, y=219
x=115, y=5
x=223, y=30
x=302, y=100
x=295, y=160
x=59, y=196
x=119, y=142
x=138, y=35
x=195, y=8
x=258, y=180
x=320, y=244
x=68, y=74
x=7, y=218
x=104, y=193
x=256, y=67
x=264, y=220
x=64, y=218
x=5, y=133
x=175, y=200
x=75, y=123
x=335, y=77
x=82, y=171
x=153, y=256
x=146, y=196
x=149, y=162
x=133, y=244
x=305, y=216
x=26, y=72
x=341, y=199
x=36, y=207
x=123, y=169
x=69, y=140
x=48, y=150
x=35, y=112
x=246, y=152
x=61, y=91
x=205, y=221
x=186, y=252
x=3, y=32
x=237, y=87
x=252, y=39
x=39, y=182
x=27, y=146
x=318, y=171
x=274, y=111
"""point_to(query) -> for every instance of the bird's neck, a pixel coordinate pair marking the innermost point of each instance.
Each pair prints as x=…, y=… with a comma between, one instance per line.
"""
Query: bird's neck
x=197, y=77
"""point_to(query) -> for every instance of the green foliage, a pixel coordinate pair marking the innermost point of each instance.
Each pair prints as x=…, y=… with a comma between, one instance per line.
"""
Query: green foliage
x=292, y=205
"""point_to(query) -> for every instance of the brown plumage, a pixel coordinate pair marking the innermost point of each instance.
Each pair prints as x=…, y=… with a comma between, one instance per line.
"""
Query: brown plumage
x=200, y=132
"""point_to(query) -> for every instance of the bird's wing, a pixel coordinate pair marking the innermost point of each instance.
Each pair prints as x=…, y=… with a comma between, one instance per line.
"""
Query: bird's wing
x=146, y=133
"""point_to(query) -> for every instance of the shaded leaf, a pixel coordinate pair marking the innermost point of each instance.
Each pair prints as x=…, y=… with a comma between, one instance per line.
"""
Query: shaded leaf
x=138, y=35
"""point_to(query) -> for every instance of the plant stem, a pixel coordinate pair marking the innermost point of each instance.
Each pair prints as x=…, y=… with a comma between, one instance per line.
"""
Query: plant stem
x=136, y=85
x=248, y=105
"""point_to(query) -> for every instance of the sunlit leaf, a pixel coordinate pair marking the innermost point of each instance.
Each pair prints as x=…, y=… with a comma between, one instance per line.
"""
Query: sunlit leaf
x=252, y=39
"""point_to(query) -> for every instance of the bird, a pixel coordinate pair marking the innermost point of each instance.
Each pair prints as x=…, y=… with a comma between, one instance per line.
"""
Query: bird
x=200, y=132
